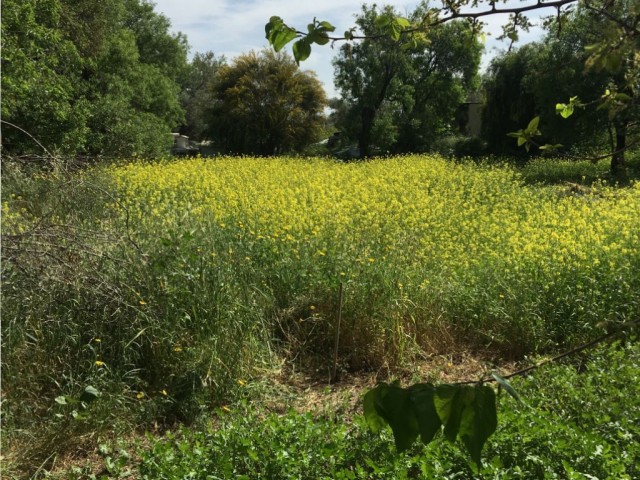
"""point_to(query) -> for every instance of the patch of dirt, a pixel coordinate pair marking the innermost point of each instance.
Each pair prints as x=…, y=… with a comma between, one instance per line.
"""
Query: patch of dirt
x=278, y=391
x=314, y=392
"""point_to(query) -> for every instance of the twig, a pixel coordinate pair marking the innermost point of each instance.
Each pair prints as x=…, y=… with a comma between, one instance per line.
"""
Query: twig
x=334, y=373
x=560, y=356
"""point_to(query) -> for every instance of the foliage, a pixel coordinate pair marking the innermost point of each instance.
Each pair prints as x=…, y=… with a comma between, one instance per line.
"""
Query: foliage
x=163, y=284
x=398, y=95
x=464, y=411
x=614, y=51
x=538, y=77
x=197, y=93
x=40, y=71
x=263, y=104
x=579, y=422
x=460, y=146
x=87, y=79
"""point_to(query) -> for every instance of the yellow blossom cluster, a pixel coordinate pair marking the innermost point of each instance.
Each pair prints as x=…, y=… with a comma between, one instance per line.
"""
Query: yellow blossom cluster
x=432, y=226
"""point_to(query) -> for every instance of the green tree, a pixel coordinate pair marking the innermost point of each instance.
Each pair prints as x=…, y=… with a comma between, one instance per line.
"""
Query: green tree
x=444, y=73
x=404, y=93
x=40, y=73
x=369, y=74
x=90, y=79
x=615, y=51
x=532, y=80
x=264, y=104
x=197, y=93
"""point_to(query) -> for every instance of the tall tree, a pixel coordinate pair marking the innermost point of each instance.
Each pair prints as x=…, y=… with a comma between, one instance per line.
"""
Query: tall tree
x=615, y=51
x=443, y=75
x=532, y=80
x=197, y=93
x=409, y=89
x=40, y=73
x=87, y=78
x=264, y=104
x=370, y=73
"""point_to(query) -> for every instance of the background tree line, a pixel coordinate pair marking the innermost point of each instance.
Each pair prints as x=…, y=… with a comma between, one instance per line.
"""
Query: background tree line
x=90, y=78
x=111, y=79
x=532, y=80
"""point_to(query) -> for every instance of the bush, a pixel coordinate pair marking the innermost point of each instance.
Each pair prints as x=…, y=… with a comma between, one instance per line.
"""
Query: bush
x=461, y=146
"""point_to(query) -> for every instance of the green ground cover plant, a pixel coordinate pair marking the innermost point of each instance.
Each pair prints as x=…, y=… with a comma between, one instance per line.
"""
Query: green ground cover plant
x=579, y=420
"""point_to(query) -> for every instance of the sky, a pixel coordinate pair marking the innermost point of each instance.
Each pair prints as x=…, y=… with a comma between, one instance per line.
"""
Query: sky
x=233, y=27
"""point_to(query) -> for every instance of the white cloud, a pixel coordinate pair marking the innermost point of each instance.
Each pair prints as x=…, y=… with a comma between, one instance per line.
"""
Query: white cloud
x=232, y=27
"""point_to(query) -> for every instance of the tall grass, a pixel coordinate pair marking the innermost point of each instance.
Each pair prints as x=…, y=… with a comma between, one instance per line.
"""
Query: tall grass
x=426, y=249
x=163, y=284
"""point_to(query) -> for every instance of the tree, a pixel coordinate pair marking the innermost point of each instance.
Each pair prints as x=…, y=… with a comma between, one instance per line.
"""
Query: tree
x=444, y=73
x=369, y=74
x=197, y=93
x=404, y=93
x=264, y=104
x=87, y=78
x=616, y=50
x=535, y=78
x=40, y=73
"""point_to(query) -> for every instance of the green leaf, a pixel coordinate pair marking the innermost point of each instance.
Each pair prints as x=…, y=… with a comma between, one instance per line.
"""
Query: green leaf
x=89, y=394
x=395, y=32
x=274, y=24
x=373, y=419
x=564, y=110
x=478, y=420
x=327, y=26
x=61, y=400
x=450, y=401
x=278, y=34
x=501, y=380
x=533, y=125
x=318, y=36
x=425, y=410
x=403, y=22
x=521, y=141
x=282, y=38
x=301, y=50
x=395, y=406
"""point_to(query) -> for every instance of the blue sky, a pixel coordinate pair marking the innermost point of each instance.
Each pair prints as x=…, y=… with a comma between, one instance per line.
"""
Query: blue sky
x=232, y=27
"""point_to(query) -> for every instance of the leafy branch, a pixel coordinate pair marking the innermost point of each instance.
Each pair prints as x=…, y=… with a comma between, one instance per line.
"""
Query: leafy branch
x=464, y=410
x=280, y=34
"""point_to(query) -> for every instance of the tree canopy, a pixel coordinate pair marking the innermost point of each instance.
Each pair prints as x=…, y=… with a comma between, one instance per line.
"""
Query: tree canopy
x=86, y=77
x=264, y=104
x=538, y=78
x=615, y=49
x=399, y=96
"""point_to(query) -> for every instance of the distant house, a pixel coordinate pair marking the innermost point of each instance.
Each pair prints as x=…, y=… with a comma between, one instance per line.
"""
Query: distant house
x=182, y=146
x=469, y=115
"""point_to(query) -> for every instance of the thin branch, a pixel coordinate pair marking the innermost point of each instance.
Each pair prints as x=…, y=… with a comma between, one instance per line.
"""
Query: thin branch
x=560, y=356
x=30, y=136
x=455, y=15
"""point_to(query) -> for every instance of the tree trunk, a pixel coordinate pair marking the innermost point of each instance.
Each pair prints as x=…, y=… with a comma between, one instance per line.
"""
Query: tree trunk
x=368, y=115
x=617, y=159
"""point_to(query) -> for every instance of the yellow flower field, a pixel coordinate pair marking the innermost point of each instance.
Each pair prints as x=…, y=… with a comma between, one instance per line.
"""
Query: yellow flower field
x=423, y=246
